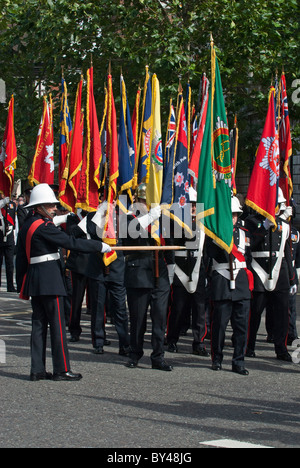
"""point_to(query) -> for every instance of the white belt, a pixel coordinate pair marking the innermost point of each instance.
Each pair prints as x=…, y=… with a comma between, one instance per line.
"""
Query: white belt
x=236, y=265
x=184, y=253
x=45, y=258
x=265, y=254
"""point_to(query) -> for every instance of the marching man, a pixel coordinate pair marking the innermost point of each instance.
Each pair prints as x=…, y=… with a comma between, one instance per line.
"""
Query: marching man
x=274, y=277
x=231, y=284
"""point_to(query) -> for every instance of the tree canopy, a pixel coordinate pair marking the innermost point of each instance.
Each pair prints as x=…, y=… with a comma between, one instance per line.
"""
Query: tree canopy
x=253, y=39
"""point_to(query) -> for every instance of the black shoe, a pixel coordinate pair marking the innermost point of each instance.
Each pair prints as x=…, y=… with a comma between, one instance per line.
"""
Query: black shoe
x=201, y=352
x=124, y=351
x=132, y=364
x=41, y=376
x=240, y=370
x=285, y=357
x=216, y=366
x=13, y=290
x=67, y=376
x=74, y=339
x=172, y=348
x=250, y=353
x=98, y=350
x=162, y=366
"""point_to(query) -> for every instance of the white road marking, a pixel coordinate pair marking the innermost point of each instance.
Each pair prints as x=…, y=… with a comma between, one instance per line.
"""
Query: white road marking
x=229, y=443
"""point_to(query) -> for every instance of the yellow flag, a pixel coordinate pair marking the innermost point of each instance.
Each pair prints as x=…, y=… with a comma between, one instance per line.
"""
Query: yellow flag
x=154, y=186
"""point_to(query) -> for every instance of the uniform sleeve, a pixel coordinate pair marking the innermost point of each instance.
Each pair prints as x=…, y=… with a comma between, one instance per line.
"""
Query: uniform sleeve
x=60, y=239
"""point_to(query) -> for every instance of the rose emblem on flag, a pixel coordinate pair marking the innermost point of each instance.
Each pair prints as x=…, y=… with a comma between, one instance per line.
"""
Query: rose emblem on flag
x=270, y=161
x=182, y=201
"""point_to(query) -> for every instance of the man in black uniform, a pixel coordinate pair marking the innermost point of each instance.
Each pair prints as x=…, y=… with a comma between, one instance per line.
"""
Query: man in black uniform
x=7, y=240
x=144, y=288
x=189, y=288
x=273, y=277
x=231, y=294
x=39, y=276
x=104, y=280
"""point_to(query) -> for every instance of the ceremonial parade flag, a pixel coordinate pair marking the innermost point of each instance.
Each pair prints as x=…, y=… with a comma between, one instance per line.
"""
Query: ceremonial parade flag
x=8, y=156
x=126, y=146
x=88, y=196
x=155, y=163
x=112, y=158
x=71, y=175
x=64, y=138
x=262, y=190
x=42, y=168
x=135, y=121
x=234, y=138
x=188, y=115
x=175, y=199
x=214, y=175
x=143, y=159
x=285, y=143
x=196, y=150
x=167, y=195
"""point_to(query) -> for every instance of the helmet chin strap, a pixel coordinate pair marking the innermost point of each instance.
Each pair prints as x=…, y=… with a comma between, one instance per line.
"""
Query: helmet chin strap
x=48, y=215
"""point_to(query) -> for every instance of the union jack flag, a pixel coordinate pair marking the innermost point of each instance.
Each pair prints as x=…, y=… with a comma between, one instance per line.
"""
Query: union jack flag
x=285, y=142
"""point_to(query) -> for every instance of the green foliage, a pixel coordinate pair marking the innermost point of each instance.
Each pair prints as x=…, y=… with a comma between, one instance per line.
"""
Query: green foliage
x=253, y=40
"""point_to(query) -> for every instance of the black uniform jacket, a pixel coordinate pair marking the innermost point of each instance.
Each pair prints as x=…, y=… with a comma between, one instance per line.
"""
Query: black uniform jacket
x=140, y=266
x=76, y=261
x=45, y=278
x=263, y=240
x=96, y=269
x=220, y=286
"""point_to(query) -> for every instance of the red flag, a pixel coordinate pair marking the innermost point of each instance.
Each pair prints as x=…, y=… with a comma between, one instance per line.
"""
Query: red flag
x=8, y=156
x=262, y=190
x=88, y=196
x=285, y=143
x=233, y=140
x=196, y=151
x=112, y=171
x=68, y=196
x=42, y=168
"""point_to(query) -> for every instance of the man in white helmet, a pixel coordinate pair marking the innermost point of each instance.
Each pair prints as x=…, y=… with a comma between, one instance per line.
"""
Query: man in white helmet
x=273, y=277
x=39, y=277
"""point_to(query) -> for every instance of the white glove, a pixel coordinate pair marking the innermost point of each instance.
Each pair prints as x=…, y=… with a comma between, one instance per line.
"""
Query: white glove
x=267, y=224
x=149, y=218
x=288, y=213
x=58, y=220
x=293, y=290
x=105, y=248
x=155, y=213
x=171, y=273
x=4, y=202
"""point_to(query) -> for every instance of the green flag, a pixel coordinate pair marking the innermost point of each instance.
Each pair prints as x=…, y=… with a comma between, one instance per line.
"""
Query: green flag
x=214, y=180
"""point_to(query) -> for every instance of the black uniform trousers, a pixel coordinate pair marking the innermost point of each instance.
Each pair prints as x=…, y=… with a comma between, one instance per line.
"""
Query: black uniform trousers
x=139, y=300
x=183, y=301
x=79, y=285
x=7, y=252
x=48, y=310
x=98, y=298
x=238, y=313
x=278, y=301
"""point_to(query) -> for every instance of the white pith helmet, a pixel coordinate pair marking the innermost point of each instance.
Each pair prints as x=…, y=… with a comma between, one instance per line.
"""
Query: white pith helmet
x=193, y=195
x=236, y=206
x=42, y=194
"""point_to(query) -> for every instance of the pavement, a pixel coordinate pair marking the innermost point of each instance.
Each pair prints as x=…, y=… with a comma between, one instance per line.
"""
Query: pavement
x=116, y=408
